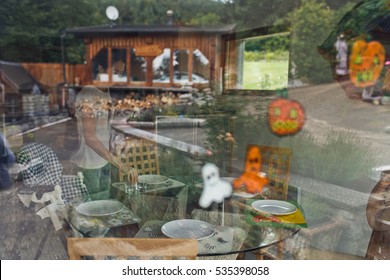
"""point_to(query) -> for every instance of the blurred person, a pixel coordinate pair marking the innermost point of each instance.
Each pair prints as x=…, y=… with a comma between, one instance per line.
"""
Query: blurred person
x=342, y=55
x=7, y=158
x=93, y=111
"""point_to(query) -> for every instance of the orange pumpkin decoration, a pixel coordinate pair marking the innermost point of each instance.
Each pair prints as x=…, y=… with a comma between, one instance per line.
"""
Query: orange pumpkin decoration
x=366, y=62
x=285, y=117
x=251, y=180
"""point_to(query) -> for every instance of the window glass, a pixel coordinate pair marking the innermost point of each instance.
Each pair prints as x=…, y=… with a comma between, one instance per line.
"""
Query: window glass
x=260, y=63
x=99, y=66
x=119, y=65
x=138, y=67
x=161, y=67
x=200, y=67
x=180, y=66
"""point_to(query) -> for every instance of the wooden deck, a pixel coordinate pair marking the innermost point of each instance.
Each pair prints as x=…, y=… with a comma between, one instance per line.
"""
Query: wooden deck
x=24, y=235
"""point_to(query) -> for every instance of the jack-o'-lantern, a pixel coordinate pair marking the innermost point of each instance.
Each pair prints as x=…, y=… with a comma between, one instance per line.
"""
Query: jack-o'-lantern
x=253, y=160
x=285, y=117
x=251, y=179
x=366, y=62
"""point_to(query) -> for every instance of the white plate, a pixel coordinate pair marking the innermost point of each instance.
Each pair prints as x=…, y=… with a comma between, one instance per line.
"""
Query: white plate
x=244, y=194
x=274, y=207
x=152, y=179
x=187, y=228
x=99, y=207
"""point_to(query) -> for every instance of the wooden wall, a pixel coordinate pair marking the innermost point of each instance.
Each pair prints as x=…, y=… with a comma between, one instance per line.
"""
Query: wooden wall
x=204, y=43
x=52, y=74
x=209, y=45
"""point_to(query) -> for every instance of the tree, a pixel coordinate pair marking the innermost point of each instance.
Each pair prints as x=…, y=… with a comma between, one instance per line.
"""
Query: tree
x=310, y=24
x=248, y=14
x=155, y=11
x=31, y=29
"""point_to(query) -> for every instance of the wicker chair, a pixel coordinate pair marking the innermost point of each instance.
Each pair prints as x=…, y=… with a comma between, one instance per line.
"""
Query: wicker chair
x=132, y=248
x=119, y=67
x=276, y=164
x=140, y=154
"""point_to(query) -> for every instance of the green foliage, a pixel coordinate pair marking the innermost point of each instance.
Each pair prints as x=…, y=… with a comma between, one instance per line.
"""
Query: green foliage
x=248, y=14
x=311, y=23
x=154, y=11
x=266, y=74
x=169, y=159
x=257, y=56
x=269, y=44
x=219, y=115
x=206, y=19
x=31, y=29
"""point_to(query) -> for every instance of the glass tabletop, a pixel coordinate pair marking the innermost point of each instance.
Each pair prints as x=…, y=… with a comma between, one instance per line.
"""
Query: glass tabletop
x=235, y=229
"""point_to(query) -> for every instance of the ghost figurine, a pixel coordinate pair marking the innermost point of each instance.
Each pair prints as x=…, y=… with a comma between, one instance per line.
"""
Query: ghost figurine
x=214, y=188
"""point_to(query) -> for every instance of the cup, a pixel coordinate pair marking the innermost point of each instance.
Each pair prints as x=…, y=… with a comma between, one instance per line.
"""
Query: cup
x=126, y=187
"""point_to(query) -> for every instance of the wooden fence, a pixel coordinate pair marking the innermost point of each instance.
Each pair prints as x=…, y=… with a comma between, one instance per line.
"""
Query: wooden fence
x=52, y=74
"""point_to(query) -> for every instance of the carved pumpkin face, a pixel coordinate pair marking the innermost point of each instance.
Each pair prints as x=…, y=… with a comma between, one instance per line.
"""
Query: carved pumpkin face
x=366, y=62
x=253, y=160
x=285, y=116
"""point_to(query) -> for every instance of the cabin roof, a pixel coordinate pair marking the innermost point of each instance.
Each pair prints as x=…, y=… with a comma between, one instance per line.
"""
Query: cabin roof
x=17, y=76
x=117, y=30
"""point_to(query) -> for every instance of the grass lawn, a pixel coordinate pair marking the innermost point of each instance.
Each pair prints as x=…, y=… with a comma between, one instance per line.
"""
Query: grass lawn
x=272, y=74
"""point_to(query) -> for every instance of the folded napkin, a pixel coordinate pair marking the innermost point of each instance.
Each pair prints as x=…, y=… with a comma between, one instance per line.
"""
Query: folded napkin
x=294, y=220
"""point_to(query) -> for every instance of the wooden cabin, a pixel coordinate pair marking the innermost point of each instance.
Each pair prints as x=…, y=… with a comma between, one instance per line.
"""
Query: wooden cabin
x=152, y=56
x=20, y=93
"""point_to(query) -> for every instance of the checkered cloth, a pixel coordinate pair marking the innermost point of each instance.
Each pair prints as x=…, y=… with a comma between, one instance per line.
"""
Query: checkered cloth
x=73, y=188
x=44, y=169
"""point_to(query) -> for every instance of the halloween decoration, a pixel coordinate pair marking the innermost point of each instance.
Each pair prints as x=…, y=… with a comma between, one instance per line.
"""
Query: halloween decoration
x=285, y=117
x=251, y=180
x=366, y=62
x=214, y=188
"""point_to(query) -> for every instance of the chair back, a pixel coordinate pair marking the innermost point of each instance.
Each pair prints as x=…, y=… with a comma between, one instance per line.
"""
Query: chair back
x=134, y=248
x=119, y=67
x=276, y=164
x=140, y=154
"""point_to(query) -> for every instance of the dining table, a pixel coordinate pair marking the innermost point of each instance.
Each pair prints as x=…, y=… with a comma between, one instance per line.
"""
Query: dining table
x=239, y=224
